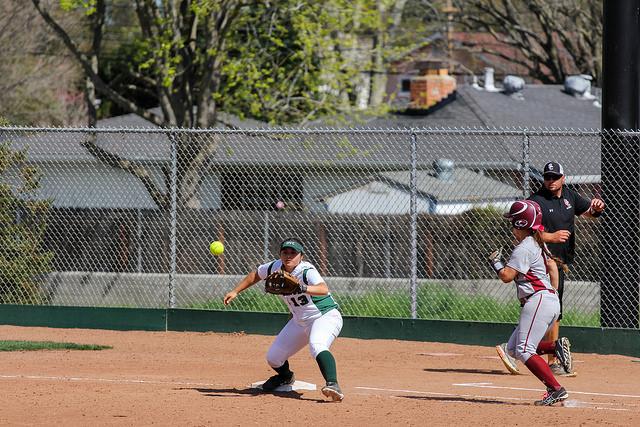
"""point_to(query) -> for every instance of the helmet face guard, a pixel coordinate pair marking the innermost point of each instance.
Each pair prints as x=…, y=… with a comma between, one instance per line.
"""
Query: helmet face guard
x=525, y=215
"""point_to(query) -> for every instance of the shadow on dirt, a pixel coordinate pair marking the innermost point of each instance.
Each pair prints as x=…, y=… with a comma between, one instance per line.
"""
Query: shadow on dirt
x=235, y=392
x=468, y=371
x=466, y=400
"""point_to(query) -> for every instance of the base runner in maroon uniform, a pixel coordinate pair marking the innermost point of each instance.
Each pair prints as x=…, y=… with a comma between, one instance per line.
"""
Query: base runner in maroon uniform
x=528, y=267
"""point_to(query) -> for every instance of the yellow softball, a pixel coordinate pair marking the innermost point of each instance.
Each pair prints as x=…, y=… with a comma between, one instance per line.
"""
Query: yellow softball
x=216, y=248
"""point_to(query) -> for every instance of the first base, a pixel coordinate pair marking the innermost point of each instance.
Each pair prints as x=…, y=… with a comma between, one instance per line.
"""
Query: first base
x=297, y=385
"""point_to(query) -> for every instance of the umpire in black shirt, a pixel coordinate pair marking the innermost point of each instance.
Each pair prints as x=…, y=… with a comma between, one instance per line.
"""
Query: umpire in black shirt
x=560, y=205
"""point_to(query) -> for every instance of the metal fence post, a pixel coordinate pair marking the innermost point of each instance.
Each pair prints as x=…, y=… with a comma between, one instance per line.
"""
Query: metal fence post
x=174, y=219
x=414, y=225
x=265, y=238
x=138, y=240
x=387, y=247
x=526, y=166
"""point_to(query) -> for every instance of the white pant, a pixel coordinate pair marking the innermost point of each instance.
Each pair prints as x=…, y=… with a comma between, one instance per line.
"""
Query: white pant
x=537, y=315
x=319, y=335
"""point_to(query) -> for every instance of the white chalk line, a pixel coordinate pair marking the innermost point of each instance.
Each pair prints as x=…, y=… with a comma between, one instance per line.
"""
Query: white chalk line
x=490, y=385
x=441, y=354
x=106, y=380
x=435, y=393
x=572, y=403
x=480, y=357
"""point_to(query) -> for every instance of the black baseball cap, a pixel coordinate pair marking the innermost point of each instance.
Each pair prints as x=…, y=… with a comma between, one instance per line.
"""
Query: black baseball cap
x=293, y=244
x=553, y=168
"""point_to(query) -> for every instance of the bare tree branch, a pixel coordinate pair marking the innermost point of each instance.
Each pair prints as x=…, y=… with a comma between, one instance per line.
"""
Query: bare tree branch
x=557, y=38
x=84, y=61
x=134, y=168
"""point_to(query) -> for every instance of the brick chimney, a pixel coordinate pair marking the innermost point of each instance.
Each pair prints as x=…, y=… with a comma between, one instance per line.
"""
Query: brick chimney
x=432, y=85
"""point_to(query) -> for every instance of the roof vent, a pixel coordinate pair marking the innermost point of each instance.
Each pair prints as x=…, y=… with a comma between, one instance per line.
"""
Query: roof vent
x=489, y=85
x=512, y=84
x=475, y=84
x=443, y=169
x=377, y=187
x=579, y=86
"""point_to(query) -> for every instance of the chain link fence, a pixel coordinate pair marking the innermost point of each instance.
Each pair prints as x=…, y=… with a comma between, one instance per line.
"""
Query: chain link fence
x=398, y=221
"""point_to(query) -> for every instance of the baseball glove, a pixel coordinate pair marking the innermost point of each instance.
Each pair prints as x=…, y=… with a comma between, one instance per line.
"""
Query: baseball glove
x=282, y=283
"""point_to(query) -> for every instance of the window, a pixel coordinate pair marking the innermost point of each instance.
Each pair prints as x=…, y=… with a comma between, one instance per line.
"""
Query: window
x=405, y=85
x=257, y=190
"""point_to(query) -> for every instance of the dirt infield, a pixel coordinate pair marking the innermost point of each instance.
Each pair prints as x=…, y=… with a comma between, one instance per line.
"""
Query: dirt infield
x=173, y=378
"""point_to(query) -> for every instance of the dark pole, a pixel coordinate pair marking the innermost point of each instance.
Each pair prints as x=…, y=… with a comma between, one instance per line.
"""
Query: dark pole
x=620, y=240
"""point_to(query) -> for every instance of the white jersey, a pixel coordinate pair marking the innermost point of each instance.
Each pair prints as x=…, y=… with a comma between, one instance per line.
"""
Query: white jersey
x=529, y=261
x=305, y=308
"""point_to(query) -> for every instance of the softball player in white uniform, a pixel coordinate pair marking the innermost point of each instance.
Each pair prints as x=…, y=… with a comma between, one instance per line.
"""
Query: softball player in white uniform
x=540, y=305
x=315, y=320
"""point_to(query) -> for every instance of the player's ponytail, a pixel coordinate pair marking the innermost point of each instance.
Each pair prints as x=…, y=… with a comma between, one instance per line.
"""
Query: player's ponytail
x=537, y=236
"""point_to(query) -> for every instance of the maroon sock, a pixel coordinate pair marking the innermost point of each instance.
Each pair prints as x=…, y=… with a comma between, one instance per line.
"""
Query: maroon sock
x=546, y=347
x=540, y=369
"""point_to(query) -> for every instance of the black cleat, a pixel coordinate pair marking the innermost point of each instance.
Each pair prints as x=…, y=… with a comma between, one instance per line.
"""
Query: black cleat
x=278, y=380
x=552, y=396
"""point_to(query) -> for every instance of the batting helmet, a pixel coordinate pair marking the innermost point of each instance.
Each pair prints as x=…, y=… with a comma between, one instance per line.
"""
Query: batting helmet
x=536, y=206
x=525, y=214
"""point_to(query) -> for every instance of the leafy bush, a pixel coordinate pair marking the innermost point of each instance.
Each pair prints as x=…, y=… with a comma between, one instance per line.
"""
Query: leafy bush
x=22, y=226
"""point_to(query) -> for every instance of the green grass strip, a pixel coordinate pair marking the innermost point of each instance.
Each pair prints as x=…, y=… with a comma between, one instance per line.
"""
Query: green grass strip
x=10, y=345
x=435, y=302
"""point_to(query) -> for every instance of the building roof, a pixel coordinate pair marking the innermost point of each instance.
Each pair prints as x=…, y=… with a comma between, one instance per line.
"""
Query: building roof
x=542, y=106
x=463, y=185
x=374, y=198
x=389, y=193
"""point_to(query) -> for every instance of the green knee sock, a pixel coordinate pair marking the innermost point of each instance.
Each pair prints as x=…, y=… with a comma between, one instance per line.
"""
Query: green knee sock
x=327, y=365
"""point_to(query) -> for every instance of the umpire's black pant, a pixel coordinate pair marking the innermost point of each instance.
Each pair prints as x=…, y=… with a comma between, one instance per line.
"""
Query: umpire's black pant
x=560, y=289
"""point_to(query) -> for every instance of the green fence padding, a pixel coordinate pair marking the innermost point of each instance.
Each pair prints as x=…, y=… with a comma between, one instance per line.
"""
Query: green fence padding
x=473, y=333
x=225, y=321
x=119, y=319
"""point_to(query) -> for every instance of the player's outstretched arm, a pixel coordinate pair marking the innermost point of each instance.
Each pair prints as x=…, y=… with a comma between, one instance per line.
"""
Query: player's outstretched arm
x=250, y=280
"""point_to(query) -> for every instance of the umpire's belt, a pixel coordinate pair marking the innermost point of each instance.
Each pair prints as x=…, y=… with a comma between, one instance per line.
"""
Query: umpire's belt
x=524, y=299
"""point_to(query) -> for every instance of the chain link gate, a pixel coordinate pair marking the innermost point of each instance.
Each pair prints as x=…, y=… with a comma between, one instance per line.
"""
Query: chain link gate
x=398, y=221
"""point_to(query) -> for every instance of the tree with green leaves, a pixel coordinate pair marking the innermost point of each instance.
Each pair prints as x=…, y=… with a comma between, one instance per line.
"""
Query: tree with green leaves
x=180, y=52
x=273, y=68
x=180, y=49
x=279, y=61
x=22, y=225
x=189, y=57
